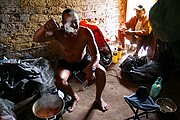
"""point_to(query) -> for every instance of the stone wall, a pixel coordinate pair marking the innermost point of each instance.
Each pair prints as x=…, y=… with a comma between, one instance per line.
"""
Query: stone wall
x=19, y=19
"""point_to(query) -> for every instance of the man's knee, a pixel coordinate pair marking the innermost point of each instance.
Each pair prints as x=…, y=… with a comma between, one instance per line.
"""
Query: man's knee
x=59, y=80
x=100, y=70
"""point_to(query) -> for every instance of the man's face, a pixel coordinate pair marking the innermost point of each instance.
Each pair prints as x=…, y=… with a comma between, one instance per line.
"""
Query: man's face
x=139, y=13
x=71, y=23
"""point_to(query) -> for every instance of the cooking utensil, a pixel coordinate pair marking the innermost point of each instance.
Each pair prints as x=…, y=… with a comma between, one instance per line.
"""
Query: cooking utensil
x=48, y=107
x=166, y=105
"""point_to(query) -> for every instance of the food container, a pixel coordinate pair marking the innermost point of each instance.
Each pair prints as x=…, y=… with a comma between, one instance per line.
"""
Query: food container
x=166, y=105
x=48, y=107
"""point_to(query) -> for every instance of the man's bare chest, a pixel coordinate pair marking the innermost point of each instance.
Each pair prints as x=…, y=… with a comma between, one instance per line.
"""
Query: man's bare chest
x=72, y=45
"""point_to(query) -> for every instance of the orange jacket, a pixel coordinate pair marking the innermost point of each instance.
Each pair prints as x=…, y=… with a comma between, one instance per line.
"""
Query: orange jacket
x=132, y=24
x=99, y=37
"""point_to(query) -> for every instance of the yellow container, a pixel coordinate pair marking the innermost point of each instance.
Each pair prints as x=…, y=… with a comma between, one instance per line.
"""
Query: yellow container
x=115, y=57
x=119, y=54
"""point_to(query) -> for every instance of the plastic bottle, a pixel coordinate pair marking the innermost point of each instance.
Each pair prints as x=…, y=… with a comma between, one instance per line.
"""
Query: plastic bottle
x=115, y=57
x=119, y=54
x=156, y=87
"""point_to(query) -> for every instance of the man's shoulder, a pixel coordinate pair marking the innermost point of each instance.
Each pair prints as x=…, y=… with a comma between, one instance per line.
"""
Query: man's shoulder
x=145, y=18
x=133, y=18
x=85, y=33
x=84, y=29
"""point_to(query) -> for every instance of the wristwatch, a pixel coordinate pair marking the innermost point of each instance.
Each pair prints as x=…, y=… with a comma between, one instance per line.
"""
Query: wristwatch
x=93, y=69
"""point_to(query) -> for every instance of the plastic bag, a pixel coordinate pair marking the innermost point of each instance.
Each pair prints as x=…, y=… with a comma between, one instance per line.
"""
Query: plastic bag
x=32, y=69
x=140, y=69
x=5, y=110
x=46, y=74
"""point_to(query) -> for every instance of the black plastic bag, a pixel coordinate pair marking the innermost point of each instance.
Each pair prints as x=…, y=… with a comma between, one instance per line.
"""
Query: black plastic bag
x=140, y=69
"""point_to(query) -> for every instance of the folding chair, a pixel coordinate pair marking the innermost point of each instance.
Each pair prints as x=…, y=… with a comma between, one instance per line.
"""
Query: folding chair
x=81, y=78
x=141, y=101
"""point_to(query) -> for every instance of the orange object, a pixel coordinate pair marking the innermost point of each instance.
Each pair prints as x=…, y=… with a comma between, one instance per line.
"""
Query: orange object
x=99, y=37
x=119, y=54
x=115, y=57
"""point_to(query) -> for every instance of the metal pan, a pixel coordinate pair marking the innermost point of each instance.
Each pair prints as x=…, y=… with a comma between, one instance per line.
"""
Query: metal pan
x=48, y=107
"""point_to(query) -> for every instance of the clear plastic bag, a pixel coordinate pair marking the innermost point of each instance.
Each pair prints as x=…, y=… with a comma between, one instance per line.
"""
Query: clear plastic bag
x=6, y=112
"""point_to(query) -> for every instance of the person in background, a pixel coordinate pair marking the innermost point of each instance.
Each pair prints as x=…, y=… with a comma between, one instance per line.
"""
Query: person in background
x=136, y=29
x=164, y=19
x=73, y=41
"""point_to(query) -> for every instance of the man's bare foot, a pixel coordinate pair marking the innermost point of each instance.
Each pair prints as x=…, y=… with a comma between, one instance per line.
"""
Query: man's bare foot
x=102, y=105
x=73, y=103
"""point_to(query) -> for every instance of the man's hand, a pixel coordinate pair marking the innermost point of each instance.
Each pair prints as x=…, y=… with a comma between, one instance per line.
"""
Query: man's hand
x=51, y=25
x=129, y=32
x=89, y=73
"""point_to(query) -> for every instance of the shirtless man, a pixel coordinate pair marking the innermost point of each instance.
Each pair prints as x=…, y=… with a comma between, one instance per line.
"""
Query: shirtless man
x=73, y=40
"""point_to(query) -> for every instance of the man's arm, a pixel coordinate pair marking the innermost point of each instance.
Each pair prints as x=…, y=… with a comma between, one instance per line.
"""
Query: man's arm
x=45, y=33
x=41, y=35
x=93, y=49
x=144, y=31
x=129, y=24
x=126, y=26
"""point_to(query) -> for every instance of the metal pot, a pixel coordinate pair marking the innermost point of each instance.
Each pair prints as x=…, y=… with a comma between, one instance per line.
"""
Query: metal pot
x=48, y=107
x=166, y=105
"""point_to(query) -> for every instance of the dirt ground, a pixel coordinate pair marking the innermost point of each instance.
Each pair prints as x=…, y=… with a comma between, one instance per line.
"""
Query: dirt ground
x=113, y=94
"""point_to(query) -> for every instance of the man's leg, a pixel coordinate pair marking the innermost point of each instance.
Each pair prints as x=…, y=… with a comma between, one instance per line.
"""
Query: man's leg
x=100, y=84
x=121, y=38
x=61, y=82
x=139, y=44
